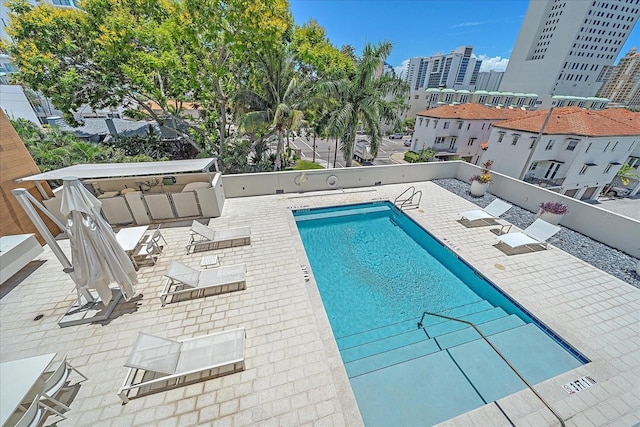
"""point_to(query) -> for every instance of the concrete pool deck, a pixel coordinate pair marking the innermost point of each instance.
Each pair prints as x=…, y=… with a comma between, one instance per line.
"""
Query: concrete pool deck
x=294, y=374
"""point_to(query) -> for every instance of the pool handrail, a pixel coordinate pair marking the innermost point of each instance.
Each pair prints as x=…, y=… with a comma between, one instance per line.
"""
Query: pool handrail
x=408, y=200
x=466, y=322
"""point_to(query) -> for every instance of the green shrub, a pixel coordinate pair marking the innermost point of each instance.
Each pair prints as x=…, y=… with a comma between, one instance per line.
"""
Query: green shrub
x=411, y=157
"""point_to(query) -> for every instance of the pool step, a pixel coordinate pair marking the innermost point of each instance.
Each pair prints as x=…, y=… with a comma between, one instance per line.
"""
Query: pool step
x=376, y=334
x=489, y=328
x=449, y=326
x=382, y=345
x=383, y=332
x=392, y=357
x=343, y=212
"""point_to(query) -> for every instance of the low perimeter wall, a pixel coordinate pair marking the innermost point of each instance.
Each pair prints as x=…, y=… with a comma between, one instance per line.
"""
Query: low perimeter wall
x=614, y=230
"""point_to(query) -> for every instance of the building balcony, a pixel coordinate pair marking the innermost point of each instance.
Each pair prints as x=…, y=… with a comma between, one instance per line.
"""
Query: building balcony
x=542, y=182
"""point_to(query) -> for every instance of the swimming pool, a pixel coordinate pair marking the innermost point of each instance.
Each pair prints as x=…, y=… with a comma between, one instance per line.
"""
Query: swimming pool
x=377, y=271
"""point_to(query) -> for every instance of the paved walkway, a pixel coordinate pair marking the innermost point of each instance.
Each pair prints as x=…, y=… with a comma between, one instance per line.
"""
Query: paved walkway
x=294, y=374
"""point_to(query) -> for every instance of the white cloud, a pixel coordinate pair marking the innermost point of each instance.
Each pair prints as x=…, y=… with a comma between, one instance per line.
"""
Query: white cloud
x=496, y=63
x=401, y=70
x=468, y=24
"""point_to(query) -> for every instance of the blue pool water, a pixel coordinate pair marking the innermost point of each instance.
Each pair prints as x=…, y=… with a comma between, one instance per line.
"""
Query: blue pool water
x=377, y=272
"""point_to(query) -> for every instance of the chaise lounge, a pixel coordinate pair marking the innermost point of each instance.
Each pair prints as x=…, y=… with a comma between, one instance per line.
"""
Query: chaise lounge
x=204, y=238
x=493, y=211
x=536, y=234
x=183, y=280
x=164, y=361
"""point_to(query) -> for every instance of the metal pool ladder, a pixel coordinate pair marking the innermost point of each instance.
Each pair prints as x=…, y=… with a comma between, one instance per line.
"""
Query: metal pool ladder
x=544, y=402
x=408, y=202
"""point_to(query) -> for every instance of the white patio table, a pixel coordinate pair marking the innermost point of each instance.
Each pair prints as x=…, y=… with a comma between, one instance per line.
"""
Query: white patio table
x=129, y=238
x=19, y=379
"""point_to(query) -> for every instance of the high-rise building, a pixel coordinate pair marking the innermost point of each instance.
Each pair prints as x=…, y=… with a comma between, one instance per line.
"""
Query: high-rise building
x=565, y=47
x=456, y=70
x=489, y=80
x=623, y=87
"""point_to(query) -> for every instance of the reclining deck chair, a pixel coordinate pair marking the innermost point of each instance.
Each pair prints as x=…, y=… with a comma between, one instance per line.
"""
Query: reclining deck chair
x=166, y=360
x=182, y=279
x=536, y=234
x=203, y=237
x=493, y=211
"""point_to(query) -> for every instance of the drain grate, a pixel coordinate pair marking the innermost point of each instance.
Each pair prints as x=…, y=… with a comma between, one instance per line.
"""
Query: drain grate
x=579, y=384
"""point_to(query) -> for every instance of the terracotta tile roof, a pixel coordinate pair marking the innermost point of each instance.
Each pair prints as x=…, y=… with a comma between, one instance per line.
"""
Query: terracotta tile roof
x=471, y=112
x=578, y=121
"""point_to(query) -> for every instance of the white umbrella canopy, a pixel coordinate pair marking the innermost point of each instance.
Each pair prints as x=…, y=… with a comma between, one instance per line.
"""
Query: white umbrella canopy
x=97, y=258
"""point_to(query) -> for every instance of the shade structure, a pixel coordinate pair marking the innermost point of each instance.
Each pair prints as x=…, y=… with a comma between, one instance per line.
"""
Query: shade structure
x=97, y=258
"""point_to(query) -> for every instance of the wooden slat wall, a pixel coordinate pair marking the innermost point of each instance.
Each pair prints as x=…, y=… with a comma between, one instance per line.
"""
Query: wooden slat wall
x=16, y=162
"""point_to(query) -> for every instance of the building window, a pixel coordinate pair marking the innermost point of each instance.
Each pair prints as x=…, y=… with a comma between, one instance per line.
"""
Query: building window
x=483, y=126
x=634, y=162
x=452, y=144
x=482, y=99
x=435, y=124
x=426, y=123
x=445, y=125
x=608, y=168
x=459, y=125
x=471, y=141
x=515, y=139
x=550, y=144
x=572, y=144
x=416, y=97
x=583, y=170
x=420, y=122
x=533, y=167
x=468, y=126
x=440, y=140
x=607, y=146
x=614, y=146
x=501, y=136
x=533, y=141
x=588, y=147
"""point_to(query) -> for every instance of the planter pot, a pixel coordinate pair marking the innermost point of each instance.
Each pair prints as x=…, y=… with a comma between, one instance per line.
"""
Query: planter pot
x=478, y=189
x=549, y=217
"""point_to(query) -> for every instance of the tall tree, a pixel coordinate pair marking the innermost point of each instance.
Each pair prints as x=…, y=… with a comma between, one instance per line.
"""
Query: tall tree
x=368, y=98
x=278, y=98
x=159, y=56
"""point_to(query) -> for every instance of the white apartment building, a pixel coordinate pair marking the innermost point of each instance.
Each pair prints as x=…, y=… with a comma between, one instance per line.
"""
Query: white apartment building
x=458, y=130
x=456, y=70
x=426, y=99
x=566, y=47
x=578, y=152
x=623, y=87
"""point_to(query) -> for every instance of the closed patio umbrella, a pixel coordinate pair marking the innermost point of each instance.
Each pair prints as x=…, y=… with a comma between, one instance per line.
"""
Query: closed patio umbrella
x=97, y=258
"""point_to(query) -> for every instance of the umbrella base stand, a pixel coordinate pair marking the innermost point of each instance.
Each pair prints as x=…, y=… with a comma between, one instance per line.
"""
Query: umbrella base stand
x=90, y=312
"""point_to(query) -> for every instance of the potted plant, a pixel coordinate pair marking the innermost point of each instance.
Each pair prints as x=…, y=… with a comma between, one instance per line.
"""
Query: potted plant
x=552, y=212
x=480, y=183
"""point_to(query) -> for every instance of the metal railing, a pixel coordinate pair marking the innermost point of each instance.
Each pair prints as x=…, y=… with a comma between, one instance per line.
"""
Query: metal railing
x=553, y=411
x=400, y=202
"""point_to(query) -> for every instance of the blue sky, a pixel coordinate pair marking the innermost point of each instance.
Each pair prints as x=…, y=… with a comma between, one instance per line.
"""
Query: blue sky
x=425, y=27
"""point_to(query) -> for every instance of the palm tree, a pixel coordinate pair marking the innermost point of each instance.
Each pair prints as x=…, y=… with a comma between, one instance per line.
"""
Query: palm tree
x=277, y=100
x=366, y=98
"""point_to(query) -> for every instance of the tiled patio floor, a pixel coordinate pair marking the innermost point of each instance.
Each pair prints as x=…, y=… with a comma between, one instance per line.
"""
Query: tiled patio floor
x=294, y=374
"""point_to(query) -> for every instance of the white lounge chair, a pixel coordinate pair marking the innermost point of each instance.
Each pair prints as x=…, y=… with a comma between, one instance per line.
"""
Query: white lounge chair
x=493, y=211
x=536, y=234
x=164, y=360
x=204, y=237
x=182, y=279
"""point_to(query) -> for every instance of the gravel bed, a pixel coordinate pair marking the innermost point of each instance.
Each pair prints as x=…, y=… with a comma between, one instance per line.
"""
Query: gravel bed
x=598, y=254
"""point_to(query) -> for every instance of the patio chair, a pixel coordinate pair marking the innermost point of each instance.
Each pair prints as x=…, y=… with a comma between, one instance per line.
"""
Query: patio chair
x=56, y=382
x=146, y=252
x=204, y=237
x=536, y=234
x=165, y=360
x=35, y=413
x=493, y=211
x=182, y=279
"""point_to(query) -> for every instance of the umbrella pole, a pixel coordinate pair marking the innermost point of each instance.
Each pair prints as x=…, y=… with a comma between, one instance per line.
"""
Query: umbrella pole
x=23, y=197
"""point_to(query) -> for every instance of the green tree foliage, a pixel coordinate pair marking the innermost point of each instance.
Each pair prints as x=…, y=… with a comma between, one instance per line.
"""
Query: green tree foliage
x=53, y=149
x=367, y=98
x=161, y=57
x=317, y=57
